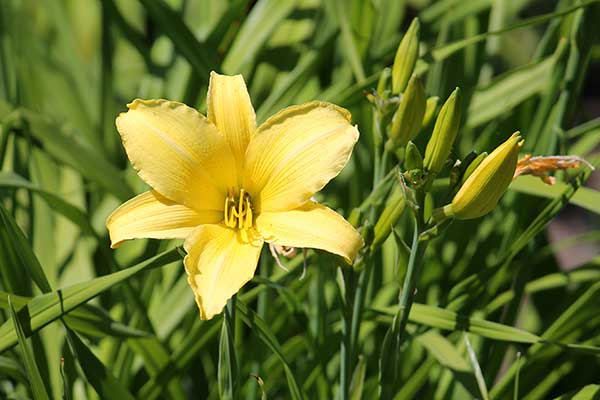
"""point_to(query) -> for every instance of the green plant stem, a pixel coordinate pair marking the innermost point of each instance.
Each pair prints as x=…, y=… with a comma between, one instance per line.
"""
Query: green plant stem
x=358, y=285
x=391, y=360
x=407, y=295
x=228, y=359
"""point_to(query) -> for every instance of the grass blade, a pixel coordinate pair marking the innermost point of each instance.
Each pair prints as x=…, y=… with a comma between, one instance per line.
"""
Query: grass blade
x=476, y=368
x=42, y=310
x=61, y=145
x=101, y=379
x=443, y=52
x=349, y=46
x=35, y=379
x=260, y=328
x=254, y=34
x=589, y=392
x=503, y=94
x=184, y=40
x=449, y=357
x=584, y=197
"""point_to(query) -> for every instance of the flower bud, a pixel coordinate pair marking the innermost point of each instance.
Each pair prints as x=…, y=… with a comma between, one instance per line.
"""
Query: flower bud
x=486, y=185
x=407, y=120
x=412, y=157
x=430, y=107
x=406, y=57
x=394, y=207
x=444, y=133
x=472, y=166
x=384, y=79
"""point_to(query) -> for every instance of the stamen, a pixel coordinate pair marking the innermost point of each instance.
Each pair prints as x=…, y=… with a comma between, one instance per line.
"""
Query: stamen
x=237, y=212
x=304, y=256
x=248, y=221
x=274, y=253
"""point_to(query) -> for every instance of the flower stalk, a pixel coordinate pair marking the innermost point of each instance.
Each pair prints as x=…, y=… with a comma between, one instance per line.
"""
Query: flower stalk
x=389, y=363
x=357, y=281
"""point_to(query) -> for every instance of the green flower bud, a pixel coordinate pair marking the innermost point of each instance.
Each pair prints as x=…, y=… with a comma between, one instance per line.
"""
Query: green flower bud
x=407, y=120
x=444, y=133
x=412, y=157
x=383, y=82
x=472, y=166
x=486, y=185
x=406, y=57
x=394, y=207
x=430, y=107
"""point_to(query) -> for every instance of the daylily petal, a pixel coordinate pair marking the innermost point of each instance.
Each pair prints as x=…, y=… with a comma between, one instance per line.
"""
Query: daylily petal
x=230, y=109
x=150, y=215
x=311, y=226
x=219, y=262
x=178, y=152
x=296, y=152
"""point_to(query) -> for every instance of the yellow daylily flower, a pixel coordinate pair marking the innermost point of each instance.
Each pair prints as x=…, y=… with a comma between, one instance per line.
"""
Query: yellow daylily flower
x=226, y=187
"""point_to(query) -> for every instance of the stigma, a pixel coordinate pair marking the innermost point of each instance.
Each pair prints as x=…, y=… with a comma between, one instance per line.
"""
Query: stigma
x=238, y=210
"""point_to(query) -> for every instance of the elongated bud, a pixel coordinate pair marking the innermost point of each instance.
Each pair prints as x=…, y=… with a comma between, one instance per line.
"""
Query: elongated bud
x=406, y=57
x=486, y=185
x=472, y=166
x=412, y=157
x=444, y=133
x=384, y=79
x=394, y=207
x=430, y=107
x=407, y=120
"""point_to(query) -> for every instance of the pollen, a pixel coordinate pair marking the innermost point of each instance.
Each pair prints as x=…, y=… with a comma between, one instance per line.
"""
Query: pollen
x=238, y=211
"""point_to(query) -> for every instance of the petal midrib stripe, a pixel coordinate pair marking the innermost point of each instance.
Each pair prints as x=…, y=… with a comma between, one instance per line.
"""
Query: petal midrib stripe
x=168, y=140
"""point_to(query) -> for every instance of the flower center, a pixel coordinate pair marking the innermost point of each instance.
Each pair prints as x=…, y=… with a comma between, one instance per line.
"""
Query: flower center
x=238, y=210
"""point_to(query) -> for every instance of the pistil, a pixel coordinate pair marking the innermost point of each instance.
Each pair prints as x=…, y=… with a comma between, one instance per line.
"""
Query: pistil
x=238, y=210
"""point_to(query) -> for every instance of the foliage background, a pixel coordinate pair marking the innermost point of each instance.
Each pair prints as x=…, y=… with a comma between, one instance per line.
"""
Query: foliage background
x=68, y=67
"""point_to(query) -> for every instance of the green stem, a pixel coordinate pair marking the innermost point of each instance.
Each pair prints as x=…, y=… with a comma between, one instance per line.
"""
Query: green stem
x=390, y=357
x=228, y=372
x=351, y=323
x=407, y=295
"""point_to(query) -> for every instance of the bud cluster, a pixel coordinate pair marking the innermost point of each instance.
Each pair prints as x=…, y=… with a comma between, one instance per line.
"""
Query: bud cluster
x=476, y=183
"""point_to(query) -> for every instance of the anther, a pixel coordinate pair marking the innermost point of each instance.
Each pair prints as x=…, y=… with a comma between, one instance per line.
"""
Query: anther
x=238, y=211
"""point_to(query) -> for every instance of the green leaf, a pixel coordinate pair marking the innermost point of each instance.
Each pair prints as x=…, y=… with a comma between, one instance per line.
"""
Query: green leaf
x=358, y=379
x=589, y=392
x=448, y=356
x=61, y=144
x=227, y=367
x=17, y=264
x=443, y=52
x=12, y=368
x=171, y=23
x=183, y=354
x=584, y=128
x=452, y=11
x=547, y=282
x=476, y=368
x=254, y=34
x=35, y=379
x=86, y=319
x=507, y=91
x=584, y=197
x=69, y=211
x=42, y=310
x=349, y=45
x=441, y=318
x=262, y=331
x=101, y=378
x=389, y=17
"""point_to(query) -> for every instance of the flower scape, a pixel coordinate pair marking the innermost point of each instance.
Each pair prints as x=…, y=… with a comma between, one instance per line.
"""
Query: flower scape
x=226, y=186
